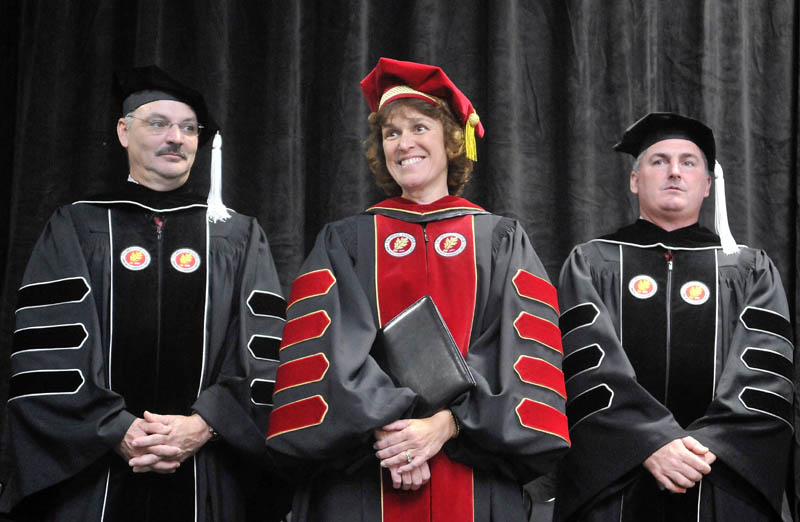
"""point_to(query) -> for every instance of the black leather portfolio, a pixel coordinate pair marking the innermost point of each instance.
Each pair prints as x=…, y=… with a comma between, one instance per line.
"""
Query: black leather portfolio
x=417, y=351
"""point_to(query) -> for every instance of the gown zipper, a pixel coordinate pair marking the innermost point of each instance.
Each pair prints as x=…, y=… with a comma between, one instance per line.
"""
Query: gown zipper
x=427, y=271
x=669, y=256
x=158, y=221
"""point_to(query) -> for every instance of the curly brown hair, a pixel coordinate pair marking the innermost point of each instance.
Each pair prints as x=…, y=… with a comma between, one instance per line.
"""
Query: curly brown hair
x=459, y=167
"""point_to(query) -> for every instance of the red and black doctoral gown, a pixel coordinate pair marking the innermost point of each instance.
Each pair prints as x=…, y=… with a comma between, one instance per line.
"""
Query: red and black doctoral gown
x=667, y=336
x=330, y=395
x=135, y=302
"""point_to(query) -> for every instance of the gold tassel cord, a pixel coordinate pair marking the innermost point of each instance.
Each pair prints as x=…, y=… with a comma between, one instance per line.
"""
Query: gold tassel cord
x=469, y=137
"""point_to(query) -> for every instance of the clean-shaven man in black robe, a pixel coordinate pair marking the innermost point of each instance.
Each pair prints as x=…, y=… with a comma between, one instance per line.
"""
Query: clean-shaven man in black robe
x=678, y=355
x=147, y=328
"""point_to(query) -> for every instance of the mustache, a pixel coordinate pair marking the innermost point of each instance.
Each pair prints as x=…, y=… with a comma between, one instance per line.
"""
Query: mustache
x=171, y=149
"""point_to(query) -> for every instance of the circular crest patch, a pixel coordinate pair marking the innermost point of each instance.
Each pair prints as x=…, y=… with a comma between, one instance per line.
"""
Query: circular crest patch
x=643, y=286
x=450, y=244
x=695, y=293
x=185, y=260
x=135, y=258
x=400, y=244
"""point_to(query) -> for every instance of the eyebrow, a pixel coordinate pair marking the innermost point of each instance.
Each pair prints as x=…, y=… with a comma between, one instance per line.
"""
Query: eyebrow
x=420, y=119
x=158, y=115
x=416, y=120
x=682, y=155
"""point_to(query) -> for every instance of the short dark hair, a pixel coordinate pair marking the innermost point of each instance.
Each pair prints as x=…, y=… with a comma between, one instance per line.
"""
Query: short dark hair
x=459, y=167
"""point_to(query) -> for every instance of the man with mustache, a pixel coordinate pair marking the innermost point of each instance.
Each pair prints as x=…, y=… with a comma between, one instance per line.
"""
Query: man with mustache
x=145, y=349
x=678, y=356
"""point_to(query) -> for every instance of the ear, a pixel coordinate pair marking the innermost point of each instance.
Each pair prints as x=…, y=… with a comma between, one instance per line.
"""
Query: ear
x=708, y=186
x=634, y=182
x=453, y=151
x=453, y=145
x=122, y=132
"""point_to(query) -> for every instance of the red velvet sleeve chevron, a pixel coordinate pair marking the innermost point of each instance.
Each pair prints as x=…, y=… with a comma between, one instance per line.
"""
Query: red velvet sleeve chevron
x=303, y=370
x=297, y=415
x=535, y=288
x=534, y=328
x=541, y=417
x=311, y=284
x=539, y=372
x=305, y=327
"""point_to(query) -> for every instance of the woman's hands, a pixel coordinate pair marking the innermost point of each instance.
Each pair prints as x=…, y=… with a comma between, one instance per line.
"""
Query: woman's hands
x=406, y=445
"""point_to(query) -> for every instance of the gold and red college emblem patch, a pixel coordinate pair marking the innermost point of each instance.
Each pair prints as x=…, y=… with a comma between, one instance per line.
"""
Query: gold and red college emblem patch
x=185, y=260
x=643, y=286
x=400, y=244
x=450, y=244
x=135, y=258
x=695, y=293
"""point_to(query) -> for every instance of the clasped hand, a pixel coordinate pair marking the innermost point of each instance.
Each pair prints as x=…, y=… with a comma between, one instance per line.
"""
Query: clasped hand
x=680, y=464
x=160, y=443
x=415, y=439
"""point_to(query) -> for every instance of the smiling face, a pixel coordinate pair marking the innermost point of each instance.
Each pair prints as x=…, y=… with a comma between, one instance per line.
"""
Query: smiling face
x=414, y=148
x=159, y=162
x=671, y=183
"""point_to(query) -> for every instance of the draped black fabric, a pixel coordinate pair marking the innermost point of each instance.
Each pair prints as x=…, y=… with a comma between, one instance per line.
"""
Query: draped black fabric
x=554, y=81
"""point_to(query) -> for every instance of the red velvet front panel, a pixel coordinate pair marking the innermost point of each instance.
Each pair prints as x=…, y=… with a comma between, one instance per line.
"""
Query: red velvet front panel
x=437, y=259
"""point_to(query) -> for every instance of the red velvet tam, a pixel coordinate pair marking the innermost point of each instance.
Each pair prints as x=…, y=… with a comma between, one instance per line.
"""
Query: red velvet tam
x=394, y=79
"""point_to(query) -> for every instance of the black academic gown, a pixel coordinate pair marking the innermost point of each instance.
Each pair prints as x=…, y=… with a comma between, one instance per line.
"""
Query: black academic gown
x=135, y=302
x=330, y=394
x=666, y=336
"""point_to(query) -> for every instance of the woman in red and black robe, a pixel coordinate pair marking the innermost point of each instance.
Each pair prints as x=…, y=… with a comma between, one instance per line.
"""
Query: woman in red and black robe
x=337, y=415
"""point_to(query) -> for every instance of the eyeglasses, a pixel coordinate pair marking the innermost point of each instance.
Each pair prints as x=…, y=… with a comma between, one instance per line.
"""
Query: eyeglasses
x=158, y=127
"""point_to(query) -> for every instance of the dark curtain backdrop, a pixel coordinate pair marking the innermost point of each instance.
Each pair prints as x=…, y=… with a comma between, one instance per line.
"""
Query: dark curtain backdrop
x=554, y=81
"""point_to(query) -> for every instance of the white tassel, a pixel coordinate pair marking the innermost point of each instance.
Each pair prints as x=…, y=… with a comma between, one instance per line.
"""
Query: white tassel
x=216, y=209
x=721, y=213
